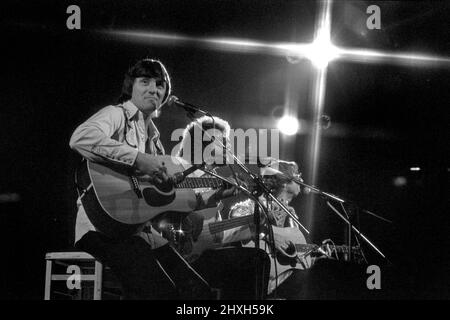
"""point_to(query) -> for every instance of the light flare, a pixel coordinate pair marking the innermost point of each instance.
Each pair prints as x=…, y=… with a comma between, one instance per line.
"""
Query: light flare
x=288, y=125
x=320, y=52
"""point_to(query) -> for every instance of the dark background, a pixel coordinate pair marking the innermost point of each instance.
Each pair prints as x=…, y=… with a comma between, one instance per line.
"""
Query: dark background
x=386, y=118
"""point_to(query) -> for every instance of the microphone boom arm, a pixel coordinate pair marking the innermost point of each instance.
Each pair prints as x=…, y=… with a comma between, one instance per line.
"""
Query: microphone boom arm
x=328, y=196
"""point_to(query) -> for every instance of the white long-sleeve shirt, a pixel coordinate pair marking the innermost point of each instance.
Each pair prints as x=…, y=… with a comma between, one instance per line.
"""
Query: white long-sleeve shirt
x=116, y=134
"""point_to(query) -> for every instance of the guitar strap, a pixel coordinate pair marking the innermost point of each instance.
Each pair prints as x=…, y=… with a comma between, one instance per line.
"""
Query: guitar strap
x=133, y=179
x=80, y=190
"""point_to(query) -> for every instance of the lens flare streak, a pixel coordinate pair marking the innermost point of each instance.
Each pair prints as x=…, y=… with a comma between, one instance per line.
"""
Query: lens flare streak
x=320, y=51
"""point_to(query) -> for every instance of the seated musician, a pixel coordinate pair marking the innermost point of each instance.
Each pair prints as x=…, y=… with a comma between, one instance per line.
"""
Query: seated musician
x=235, y=266
x=227, y=267
x=285, y=191
x=230, y=269
x=125, y=134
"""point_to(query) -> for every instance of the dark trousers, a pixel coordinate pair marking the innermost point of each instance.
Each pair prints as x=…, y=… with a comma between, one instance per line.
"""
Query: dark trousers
x=162, y=274
x=146, y=273
x=240, y=273
x=327, y=280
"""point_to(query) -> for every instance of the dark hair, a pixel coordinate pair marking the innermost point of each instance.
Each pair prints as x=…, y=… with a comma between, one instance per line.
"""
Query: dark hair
x=145, y=68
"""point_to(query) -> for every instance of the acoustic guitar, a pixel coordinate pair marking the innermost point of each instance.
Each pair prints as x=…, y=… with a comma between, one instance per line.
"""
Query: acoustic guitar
x=180, y=230
x=119, y=203
x=297, y=255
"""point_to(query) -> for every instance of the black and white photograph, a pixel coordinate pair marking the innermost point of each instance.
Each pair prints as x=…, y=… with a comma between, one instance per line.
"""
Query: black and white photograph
x=259, y=152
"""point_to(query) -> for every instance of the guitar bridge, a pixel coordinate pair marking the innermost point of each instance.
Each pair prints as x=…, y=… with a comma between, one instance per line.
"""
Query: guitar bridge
x=136, y=187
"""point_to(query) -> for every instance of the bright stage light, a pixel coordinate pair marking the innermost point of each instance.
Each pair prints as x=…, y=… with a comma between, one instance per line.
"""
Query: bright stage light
x=321, y=51
x=288, y=125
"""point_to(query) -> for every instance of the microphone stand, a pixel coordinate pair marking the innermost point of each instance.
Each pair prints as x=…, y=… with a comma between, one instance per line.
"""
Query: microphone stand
x=260, y=189
x=351, y=228
x=191, y=110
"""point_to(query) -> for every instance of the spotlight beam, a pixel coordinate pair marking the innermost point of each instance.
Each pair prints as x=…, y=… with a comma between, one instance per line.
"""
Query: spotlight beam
x=321, y=48
x=325, y=52
x=365, y=55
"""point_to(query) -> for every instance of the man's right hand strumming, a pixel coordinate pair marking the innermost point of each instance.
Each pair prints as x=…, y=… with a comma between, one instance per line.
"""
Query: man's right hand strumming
x=151, y=167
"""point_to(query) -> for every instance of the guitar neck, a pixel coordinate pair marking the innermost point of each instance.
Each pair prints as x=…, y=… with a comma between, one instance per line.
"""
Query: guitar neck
x=344, y=249
x=192, y=183
x=220, y=226
x=310, y=247
x=302, y=247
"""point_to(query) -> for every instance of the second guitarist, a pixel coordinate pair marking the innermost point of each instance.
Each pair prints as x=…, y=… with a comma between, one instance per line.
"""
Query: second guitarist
x=231, y=269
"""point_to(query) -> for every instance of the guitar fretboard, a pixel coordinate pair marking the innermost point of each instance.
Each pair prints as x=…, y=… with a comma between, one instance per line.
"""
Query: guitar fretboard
x=191, y=183
x=227, y=224
x=339, y=249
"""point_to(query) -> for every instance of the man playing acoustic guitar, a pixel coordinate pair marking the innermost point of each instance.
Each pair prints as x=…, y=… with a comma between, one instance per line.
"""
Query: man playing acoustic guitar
x=125, y=135
x=213, y=249
x=240, y=273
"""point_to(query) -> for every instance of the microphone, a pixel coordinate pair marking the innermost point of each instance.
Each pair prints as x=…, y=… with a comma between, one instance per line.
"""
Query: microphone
x=174, y=101
x=306, y=190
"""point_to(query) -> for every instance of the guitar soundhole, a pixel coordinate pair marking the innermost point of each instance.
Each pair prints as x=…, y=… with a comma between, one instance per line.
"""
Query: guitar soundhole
x=164, y=186
x=155, y=199
x=290, y=250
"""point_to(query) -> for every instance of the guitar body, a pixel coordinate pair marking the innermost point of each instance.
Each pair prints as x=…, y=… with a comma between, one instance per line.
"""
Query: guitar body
x=178, y=229
x=296, y=257
x=116, y=208
x=205, y=240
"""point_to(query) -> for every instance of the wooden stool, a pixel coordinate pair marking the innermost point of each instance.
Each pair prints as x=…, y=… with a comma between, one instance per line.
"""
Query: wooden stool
x=77, y=266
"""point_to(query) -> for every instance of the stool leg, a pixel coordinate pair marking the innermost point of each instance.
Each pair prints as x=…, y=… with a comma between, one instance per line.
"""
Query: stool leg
x=48, y=279
x=98, y=281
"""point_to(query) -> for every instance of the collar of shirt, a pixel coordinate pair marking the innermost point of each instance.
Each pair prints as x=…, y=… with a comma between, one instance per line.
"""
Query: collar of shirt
x=131, y=111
